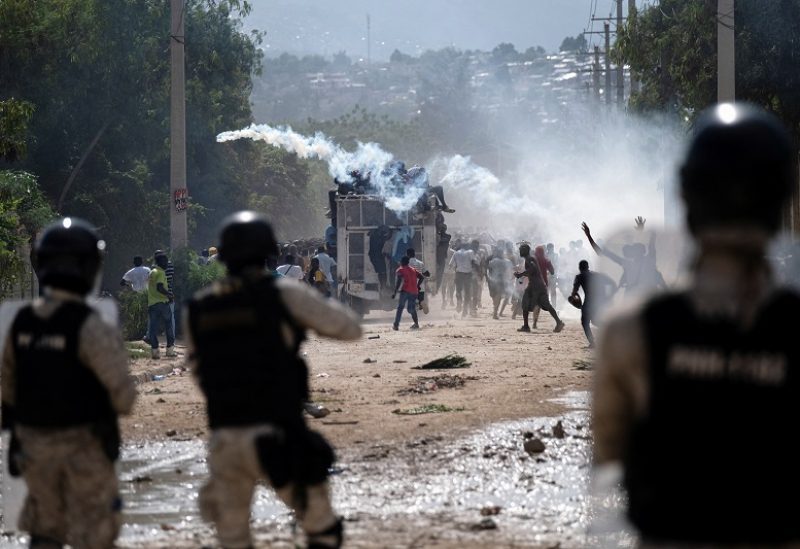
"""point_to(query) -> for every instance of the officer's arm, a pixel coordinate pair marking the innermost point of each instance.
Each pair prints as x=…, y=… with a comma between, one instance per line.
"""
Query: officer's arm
x=620, y=388
x=101, y=348
x=7, y=383
x=311, y=310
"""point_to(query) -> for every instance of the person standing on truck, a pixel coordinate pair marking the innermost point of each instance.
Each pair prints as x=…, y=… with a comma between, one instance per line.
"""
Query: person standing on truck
x=711, y=364
x=407, y=283
x=65, y=381
x=244, y=337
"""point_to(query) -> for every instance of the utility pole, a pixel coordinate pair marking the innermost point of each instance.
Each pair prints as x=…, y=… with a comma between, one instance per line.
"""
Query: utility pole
x=607, y=91
x=179, y=196
x=596, y=72
x=369, y=41
x=726, y=73
x=620, y=64
x=634, y=80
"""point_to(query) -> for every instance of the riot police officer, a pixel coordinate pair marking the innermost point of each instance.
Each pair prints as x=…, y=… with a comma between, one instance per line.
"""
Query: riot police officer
x=64, y=381
x=245, y=334
x=697, y=391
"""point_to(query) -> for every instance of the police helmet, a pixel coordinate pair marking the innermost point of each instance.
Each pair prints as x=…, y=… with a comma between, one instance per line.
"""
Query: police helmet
x=246, y=239
x=68, y=255
x=738, y=171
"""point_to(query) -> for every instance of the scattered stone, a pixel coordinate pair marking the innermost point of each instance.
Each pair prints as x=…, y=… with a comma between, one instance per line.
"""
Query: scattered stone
x=374, y=337
x=160, y=401
x=422, y=425
x=167, y=527
x=316, y=410
x=491, y=511
x=424, y=385
x=141, y=478
x=558, y=430
x=178, y=471
x=171, y=433
x=485, y=524
x=527, y=434
x=323, y=374
x=376, y=375
x=370, y=361
x=533, y=446
x=582, y=364
x=399, y=361
x=549, y=348
x=447, y=362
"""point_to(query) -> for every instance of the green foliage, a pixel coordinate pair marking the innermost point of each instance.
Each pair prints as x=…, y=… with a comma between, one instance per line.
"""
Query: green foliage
x=190, y=277
x=576, y=44
x=100, y=70
x=671, y=47
x=133, y=313
x=23, y=212
x=14, y=119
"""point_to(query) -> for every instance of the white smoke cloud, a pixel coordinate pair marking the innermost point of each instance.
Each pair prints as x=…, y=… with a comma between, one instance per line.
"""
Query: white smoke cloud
x=368, y=158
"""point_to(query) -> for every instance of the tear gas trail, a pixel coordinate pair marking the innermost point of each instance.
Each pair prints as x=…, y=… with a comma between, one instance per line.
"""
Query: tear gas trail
x=368, y=158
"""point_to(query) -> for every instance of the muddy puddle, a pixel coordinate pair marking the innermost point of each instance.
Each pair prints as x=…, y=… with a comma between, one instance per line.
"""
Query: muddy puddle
x=482, y=488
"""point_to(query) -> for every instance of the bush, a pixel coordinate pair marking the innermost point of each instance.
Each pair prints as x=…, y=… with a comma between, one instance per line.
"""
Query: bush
x=133, y=314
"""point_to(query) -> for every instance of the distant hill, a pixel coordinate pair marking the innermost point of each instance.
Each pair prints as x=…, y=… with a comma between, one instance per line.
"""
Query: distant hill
x=412, y=26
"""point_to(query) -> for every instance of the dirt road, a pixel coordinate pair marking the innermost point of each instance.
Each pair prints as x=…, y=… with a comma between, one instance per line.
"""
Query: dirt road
x=512, y=375
x=421, y=480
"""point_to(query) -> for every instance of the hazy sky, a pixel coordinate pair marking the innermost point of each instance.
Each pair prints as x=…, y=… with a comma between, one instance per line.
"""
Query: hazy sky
x=328, y=26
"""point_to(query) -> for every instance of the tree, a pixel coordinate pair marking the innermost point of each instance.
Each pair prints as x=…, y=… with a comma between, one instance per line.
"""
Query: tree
x=671, y=47
x=23, y=212
x=15, y=117
x=505, y=53
x=97, y=72
x=577, y=44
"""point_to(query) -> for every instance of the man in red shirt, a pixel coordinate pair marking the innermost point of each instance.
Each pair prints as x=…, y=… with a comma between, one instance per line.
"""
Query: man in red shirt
x=407, y=283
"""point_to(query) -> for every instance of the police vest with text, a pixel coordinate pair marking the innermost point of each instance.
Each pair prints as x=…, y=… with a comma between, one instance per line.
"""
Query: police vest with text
x=245, y=368
x=712, y=460
x=54, y=388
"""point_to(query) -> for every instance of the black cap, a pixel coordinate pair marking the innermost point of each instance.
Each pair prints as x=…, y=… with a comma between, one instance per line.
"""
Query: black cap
x=68, y=255
x=739, y=169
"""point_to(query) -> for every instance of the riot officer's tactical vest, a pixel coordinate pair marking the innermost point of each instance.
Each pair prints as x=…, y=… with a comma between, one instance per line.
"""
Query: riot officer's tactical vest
x=54, y=389
x=713, y=459
x=244, y=367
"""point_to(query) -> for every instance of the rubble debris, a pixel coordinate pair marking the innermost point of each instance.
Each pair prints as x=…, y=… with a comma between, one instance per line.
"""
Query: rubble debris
x=427, y=409
x=323, y=374
x=171, y=433
x=160, y=401
x=370, y=361
x=340, y=422
x=447, y=362
x=374, y=337
x=399, y=361
x=424, y=385
x=485, y=524
x=491, y=511
x=558, y=430
x=376, y=375
x=141, y=478
x=533, y=446
x=582, y=364
x=316, y=410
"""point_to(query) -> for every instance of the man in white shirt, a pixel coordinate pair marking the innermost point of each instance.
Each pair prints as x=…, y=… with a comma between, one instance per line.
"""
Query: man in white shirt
x=463, y=261
x=290, y=269
x=326, y=264
x=137, y=277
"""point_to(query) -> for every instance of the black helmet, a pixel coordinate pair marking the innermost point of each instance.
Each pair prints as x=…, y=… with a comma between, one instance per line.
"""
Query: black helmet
x=246, y=239
x=68, y=255
x=739, y=169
